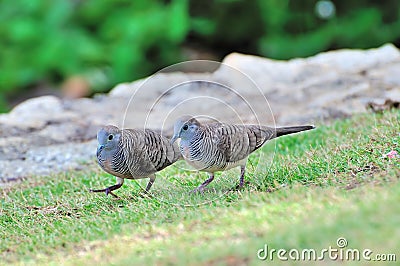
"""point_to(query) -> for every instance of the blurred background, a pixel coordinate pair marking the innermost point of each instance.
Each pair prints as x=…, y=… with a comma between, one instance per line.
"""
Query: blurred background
x=76, y=48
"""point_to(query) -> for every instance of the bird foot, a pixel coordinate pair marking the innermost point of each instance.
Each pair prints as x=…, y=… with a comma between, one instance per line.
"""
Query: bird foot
x=106, y=190
x=198, y=190
x=145, y=194
x=240, y=186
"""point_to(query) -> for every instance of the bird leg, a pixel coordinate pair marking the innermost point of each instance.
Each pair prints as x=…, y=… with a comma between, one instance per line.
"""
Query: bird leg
x=145, y=193
x=151, y=181
x=242, y=171
x=241, y=179
x=109, y=190
x=205, y=183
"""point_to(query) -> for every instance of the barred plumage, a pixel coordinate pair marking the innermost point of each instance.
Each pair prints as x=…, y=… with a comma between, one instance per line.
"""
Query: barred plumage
x=218, y=147
x=133, y=154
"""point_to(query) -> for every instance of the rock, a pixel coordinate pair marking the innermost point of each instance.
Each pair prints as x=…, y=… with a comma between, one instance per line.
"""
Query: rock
x=389, y=74
x=35, y=113
x=12, y=148
x=268, y=74
x=393, y=94
x=69, y=131
x=356, y=61
x=125, y=89
x=49, y=160
x=155, y=86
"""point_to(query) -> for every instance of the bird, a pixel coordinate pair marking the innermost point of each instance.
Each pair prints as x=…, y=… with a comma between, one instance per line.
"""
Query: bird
x=218, y=146
x=133, y=154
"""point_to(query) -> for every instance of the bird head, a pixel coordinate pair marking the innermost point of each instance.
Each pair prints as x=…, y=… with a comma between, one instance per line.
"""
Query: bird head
x=108, y=138
x=184, y=128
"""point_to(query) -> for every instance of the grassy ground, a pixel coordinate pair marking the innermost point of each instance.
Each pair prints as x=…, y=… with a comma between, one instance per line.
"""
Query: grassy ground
x=305, y=191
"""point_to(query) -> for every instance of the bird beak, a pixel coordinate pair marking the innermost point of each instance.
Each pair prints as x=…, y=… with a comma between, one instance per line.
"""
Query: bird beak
x=99, y=149
x=174, y=138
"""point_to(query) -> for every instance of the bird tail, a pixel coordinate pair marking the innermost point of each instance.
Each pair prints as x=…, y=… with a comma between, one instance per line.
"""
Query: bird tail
x=281, y=131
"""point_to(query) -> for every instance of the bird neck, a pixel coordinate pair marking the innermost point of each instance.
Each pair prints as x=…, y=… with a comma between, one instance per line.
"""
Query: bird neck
x=184, y=142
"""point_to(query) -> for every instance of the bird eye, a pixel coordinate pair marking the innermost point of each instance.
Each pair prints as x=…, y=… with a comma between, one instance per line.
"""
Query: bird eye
x=185, y=127
x=110, y=137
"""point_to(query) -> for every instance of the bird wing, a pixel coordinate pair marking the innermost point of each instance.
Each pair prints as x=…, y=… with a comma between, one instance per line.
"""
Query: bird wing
x=146, y=152
x=159, y=151
x=236, y=142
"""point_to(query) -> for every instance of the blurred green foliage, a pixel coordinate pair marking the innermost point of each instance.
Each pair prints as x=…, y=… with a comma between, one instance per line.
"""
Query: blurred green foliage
x=284, y=29
x=109, y=42
x=105, y=41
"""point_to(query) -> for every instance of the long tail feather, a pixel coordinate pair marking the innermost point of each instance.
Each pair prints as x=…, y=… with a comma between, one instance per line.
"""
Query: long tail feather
x=281, y=131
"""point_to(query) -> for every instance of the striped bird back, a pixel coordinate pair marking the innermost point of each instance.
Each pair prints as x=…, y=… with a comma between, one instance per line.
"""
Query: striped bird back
x=146, y=152
x=217, y=146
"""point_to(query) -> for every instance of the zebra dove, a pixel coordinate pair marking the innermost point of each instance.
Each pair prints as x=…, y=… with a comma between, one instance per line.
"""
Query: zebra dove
x=218, y=147
x=133, y=154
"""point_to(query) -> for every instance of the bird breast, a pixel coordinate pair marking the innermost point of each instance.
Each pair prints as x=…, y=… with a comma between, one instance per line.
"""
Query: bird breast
x=204, y=156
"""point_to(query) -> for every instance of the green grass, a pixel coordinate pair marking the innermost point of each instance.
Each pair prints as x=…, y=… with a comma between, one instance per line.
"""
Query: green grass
x=305, y=191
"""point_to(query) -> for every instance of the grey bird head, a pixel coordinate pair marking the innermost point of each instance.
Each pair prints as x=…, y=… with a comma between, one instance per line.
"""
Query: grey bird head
x=184, y=128
x=108, y=138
